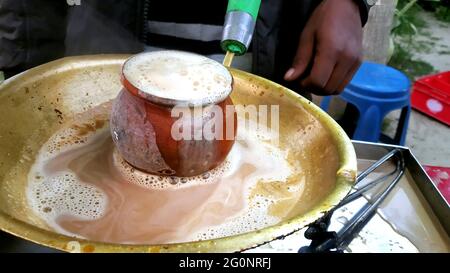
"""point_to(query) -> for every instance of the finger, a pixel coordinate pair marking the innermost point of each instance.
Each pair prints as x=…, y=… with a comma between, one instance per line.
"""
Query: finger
x=340, y=71
x=324, y=63
x=302, y=57
x=349, y=76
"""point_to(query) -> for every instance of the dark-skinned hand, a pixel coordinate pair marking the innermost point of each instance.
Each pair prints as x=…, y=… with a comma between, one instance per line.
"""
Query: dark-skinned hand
x=330, y=48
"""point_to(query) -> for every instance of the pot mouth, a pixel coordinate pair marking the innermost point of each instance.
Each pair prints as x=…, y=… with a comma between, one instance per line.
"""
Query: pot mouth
x=176, y=78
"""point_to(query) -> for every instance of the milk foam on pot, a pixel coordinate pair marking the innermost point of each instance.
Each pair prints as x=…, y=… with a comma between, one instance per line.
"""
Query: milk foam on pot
x=178, y=76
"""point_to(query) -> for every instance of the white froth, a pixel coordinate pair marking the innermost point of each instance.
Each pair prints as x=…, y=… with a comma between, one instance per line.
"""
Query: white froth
x=179, y=76
x=156, y=182
x=62, y=141
x=272, y=166
x=63, y=193
x=253, y=218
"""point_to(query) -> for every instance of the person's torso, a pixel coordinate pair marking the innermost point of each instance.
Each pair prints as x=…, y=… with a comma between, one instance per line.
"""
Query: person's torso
x=194, y=26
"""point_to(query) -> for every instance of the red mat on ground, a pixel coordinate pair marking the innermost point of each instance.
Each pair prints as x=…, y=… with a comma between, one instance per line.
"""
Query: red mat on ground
x=441, y=178
x=431, y=95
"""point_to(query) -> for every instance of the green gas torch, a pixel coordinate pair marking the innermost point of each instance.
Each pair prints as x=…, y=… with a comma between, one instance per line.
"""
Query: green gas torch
x=239, y=25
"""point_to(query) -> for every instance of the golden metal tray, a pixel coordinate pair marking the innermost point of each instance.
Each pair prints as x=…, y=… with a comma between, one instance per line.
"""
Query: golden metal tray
x=35, y=104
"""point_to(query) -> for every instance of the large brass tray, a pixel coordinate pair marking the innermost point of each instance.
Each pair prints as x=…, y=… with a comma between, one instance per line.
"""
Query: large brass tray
x=73, y=85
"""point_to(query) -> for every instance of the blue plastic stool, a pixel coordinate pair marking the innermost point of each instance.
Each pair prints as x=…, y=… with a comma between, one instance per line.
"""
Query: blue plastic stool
x=376, y=90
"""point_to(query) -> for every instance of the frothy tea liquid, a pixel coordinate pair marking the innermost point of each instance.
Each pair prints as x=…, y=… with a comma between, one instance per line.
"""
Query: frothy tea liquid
x=80, y=186
x=228, y=60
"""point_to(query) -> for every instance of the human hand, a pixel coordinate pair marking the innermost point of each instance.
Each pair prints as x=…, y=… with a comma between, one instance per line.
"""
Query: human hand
x=330, y=48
